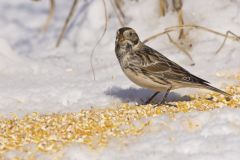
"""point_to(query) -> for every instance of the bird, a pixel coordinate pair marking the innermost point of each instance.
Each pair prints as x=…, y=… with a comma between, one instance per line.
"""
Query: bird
x=150, y=69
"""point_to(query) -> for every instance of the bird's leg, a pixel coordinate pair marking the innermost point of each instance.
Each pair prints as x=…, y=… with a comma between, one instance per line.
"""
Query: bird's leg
x=166, y=94
x=151, y=98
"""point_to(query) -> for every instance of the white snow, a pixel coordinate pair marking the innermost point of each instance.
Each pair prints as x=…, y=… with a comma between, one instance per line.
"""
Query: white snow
x=37, y=77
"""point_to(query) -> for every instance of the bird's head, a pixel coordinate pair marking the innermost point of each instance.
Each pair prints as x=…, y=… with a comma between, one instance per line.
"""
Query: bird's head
x=127, y=37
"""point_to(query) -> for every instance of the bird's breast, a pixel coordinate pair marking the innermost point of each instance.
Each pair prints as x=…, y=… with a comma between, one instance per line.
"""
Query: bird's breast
x=144, y=81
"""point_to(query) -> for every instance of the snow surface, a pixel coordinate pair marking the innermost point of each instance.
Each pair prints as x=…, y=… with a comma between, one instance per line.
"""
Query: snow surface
x=37, y=77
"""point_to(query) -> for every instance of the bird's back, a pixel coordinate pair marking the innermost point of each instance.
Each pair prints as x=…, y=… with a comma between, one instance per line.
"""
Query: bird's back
x=154, y=62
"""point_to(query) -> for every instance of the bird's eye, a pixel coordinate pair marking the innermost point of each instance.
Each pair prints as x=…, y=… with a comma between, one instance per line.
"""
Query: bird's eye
x=130, y=34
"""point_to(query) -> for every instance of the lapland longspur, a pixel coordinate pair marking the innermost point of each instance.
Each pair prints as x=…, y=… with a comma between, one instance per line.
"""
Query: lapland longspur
x=150, y=69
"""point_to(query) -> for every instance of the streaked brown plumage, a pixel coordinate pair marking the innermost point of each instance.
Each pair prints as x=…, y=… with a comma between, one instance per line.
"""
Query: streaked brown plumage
x=149, y=69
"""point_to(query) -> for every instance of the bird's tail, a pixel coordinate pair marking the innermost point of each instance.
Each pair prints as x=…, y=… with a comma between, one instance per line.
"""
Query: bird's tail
x=207, y=86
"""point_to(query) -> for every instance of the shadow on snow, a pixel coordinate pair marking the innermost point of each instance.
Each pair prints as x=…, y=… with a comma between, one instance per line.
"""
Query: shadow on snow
x=140, y=95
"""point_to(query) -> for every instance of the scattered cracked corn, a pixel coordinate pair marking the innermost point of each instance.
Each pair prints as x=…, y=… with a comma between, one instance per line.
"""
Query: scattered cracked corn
x=95, y=127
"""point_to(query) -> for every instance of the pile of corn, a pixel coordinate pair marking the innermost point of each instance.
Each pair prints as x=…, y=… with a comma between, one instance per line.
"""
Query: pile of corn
x=95, y=127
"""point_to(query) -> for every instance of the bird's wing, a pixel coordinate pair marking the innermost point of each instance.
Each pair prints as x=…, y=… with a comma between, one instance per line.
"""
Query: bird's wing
x=152, y=62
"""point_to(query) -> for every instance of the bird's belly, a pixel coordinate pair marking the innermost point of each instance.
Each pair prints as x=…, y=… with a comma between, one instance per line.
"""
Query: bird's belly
x=144, y=81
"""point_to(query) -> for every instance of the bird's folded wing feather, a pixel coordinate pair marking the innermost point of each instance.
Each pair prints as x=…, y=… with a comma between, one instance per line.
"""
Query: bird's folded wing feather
x=156, y=64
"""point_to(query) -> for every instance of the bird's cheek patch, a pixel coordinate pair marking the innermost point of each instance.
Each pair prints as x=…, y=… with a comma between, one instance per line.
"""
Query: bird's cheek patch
x=136, y=39
x=135, y=42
